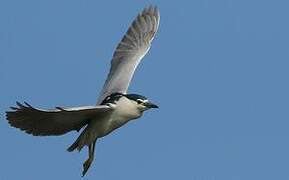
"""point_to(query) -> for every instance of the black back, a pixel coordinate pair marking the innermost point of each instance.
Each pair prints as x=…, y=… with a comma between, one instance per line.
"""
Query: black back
x=116, y=96
x=135, y=97
x=112, y=98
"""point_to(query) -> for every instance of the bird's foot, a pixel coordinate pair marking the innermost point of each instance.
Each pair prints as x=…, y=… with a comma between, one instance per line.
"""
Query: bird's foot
x=86, y=166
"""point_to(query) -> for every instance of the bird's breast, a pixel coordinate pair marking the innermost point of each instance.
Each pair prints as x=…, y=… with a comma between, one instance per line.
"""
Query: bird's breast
x=118, y=119
x=123, y=111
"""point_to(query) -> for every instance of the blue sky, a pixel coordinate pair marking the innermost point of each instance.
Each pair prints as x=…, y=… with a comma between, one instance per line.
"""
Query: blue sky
x=217, y=69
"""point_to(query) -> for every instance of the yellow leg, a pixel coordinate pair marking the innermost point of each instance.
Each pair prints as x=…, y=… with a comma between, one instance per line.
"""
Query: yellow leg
x=87, y=163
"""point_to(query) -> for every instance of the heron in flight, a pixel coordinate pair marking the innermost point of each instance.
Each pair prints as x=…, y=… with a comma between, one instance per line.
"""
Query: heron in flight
x=114, y=108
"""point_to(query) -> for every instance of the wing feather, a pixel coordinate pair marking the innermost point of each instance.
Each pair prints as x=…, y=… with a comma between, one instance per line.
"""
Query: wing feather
x=53, y=122
x=129, y=52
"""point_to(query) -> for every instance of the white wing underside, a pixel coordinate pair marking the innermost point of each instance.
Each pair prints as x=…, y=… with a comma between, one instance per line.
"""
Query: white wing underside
x=129, y=52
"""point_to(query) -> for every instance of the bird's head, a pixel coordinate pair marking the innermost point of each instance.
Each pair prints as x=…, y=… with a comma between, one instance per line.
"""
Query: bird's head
x=141, y=102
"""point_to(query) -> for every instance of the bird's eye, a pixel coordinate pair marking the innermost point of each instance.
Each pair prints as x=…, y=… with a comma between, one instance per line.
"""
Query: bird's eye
x=139, y=101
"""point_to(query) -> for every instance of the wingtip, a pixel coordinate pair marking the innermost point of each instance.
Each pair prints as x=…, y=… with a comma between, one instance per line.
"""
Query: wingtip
x=18, y=104
x=13, y=108
x=151, y=9
x=28, y=105
x=7, y=114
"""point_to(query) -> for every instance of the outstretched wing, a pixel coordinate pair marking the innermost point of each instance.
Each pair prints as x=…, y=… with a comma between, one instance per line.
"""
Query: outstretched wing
x=53, y=122
x=129, y=52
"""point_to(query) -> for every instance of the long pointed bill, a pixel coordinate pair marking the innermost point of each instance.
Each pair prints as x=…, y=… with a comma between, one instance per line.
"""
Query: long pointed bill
x=150, y=105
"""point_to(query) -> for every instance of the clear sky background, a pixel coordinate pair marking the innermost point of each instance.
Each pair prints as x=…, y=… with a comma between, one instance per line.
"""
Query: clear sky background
x=217, y=69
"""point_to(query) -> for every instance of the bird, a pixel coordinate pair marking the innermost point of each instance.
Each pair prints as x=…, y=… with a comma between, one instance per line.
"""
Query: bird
x=114, y=107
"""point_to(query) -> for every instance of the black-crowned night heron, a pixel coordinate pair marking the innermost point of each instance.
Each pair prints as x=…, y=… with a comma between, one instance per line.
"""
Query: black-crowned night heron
x=114, y=107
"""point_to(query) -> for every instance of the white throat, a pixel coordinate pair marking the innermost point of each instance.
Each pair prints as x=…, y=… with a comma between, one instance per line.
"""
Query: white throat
x=124, y=111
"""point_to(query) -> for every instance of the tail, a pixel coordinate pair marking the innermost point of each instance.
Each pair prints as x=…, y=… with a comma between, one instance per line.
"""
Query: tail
x=73, y=146
x=80, y=142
